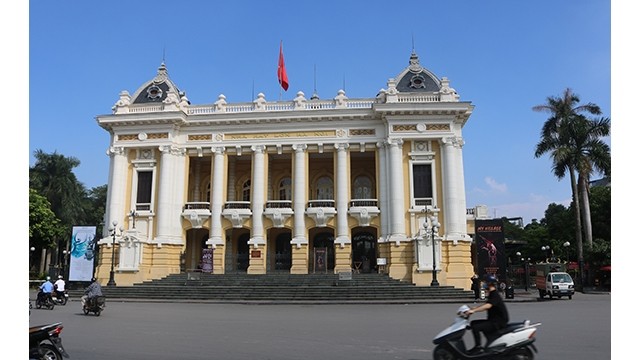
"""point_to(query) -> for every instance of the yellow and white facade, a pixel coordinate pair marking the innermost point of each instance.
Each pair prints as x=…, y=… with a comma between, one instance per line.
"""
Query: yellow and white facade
x=295, y=186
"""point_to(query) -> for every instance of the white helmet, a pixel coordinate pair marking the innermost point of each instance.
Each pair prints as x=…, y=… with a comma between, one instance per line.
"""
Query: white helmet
x=59, y=276
x=48, y=278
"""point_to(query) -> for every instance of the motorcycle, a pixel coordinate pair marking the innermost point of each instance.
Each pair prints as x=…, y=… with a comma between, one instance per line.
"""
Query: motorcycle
x=515, y=342
x=45, y=342
x=95, y=305
x=44, y=300
x=60, y=297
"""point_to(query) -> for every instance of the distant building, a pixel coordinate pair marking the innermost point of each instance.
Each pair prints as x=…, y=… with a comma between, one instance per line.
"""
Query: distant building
x=601, y=182
x=296, y=186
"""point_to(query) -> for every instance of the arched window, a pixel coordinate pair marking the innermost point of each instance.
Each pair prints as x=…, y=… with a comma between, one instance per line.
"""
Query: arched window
x=285, y=189
x=362, y=188
x=246, y=191
x=324, y=188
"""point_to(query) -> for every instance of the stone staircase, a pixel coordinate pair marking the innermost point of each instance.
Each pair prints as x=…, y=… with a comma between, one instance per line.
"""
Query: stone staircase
x=284, y=288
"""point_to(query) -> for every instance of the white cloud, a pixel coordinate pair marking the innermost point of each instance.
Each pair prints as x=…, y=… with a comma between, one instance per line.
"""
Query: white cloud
x=494, y=185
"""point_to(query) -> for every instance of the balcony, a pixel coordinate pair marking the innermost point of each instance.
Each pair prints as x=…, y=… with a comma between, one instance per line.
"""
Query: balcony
x=278, y=211
x=237, y=212
x=321, y=211
x=197, y=213
x=364, y=210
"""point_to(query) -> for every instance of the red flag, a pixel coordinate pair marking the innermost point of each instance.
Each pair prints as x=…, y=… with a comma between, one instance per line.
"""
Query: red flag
x=282, y=71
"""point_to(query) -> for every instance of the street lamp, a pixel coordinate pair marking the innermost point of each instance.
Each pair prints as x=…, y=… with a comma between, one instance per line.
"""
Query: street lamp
x=112, y=280
x=65, y=253
x=31, y=250
x=566, y=246
x=546, y=249
x=526, y=270
x=434, y=229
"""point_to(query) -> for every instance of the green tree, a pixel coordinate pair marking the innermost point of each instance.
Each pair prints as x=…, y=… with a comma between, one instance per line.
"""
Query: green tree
x=567, y=135
x=44, y=227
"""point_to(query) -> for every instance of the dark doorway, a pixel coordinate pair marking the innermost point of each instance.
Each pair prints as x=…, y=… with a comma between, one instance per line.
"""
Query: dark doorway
x=364, y=252
x=242, y=253
x=325, y=241
x=283, y=252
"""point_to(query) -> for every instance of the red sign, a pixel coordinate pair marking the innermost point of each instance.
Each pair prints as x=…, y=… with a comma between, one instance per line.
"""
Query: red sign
x=255, y=253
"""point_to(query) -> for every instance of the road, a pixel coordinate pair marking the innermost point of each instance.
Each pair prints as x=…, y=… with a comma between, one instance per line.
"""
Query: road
x=571, y=329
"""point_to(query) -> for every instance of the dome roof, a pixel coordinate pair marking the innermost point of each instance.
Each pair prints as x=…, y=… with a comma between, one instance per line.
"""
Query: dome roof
x=415, y=78
x=156, y=90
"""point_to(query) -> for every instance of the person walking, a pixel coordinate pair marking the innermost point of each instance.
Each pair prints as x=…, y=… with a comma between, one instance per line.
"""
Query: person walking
x=475, y=286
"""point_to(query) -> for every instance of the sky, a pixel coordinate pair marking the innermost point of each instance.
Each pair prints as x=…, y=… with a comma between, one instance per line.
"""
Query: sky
x=504, y=58
x=69, y=60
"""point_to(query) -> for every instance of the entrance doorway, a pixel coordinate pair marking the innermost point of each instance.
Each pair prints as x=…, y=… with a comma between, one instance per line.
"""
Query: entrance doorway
x=196, y=241
x=324, y=240
x=242, y=252
x=283, y=252
x=364, y=252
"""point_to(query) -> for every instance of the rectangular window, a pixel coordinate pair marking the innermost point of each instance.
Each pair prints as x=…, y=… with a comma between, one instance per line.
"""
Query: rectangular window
x=422, y=183
x=144, y=187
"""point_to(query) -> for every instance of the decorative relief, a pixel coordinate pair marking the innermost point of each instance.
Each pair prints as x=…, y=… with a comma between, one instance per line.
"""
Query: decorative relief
x=158, y=136
x=286, y=134
x=127, y=137
x=361, y=132
x=438, y=127
x=401, y=128
x=341, y=133
x=200, y=137
x=142, y=136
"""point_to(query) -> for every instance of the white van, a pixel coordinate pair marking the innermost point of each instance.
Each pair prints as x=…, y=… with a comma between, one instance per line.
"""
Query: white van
x=557, y=284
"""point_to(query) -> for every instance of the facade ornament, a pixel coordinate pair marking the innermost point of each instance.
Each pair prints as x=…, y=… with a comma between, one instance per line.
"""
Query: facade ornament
x=392, y=91
x=162, y=75
x=221, y=104
x=447, y=93
x=341, y=99
x=260, y=104
x=299, y=101
x=123, y=103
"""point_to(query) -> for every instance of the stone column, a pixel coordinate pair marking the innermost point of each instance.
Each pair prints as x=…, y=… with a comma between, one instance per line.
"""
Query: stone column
x=257, y=265
x=215, y=236
x=454, y=195
x=397, y=225
x=383, y=191
x=300, y=242
x=343, y=240
x=166, y=209
x=116, y=192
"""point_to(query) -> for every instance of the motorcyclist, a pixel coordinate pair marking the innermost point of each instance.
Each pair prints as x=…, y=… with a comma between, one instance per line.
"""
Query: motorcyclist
x=45, y=289
x=497, y=315
x=59, y=287
x=94, y=289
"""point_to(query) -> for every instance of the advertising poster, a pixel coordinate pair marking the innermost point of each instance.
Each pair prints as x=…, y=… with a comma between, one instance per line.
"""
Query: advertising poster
x=490, y=250
x=82, y=253
x=206, y=263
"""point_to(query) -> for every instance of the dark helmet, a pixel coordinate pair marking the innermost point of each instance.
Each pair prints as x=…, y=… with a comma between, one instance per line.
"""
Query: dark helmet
x=491, y=279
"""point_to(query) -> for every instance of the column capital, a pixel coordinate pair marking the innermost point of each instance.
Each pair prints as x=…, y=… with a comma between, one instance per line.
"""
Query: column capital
x=394, y=142
x=341, y=146
x=258, y=148
x=456, y=141
x=115, y=150
x=218, y=150
x=299, y=147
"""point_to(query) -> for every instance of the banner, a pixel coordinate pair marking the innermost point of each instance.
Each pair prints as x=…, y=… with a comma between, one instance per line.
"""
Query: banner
x=206, y=262
x=490, y=249
x=82, y=253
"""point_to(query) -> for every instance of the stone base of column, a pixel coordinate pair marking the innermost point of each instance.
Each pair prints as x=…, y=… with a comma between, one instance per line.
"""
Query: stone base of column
x=343, y=258
x=300, y=259
x=458, y=268
x=257, y=260
x=401, y=260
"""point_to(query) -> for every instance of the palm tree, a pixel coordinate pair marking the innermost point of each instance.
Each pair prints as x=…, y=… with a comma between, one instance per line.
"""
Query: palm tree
x=568, y=136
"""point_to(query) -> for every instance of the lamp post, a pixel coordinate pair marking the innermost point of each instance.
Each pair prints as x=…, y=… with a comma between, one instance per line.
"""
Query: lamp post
x=65, y=253
x=525, y=263
x=546, y=249
x=31, y=250
x=566, y=246
x=434, y=229
x=112, y=280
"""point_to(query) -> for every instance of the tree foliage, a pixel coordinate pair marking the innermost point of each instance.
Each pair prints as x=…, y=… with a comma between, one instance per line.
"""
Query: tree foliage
x=44, y=227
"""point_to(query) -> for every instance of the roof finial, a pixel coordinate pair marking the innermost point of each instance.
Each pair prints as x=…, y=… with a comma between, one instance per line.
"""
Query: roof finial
x=315, y=91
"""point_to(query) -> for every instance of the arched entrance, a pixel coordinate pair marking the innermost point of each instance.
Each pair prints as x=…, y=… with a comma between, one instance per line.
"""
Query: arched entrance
x=242, y=252
x=363, y=254
x=196, y=241
x=283, y=252
x=323, y=242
